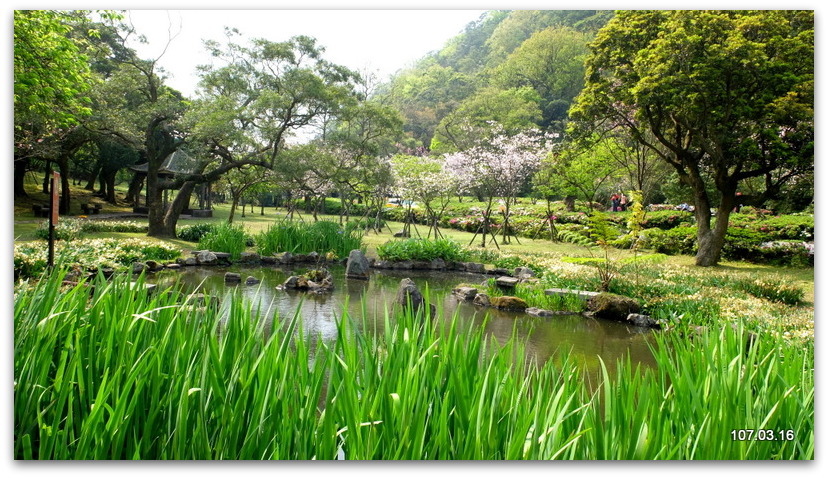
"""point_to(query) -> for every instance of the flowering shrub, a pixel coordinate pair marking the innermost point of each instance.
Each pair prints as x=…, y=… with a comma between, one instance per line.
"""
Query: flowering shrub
x=774, y=228
x=66, y=229
x=112, y=226
x=30, y=258
x=195, y=232
x=69, y=228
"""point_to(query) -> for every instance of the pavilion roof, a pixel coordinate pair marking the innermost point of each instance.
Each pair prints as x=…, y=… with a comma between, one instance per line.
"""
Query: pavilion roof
x=177, y=162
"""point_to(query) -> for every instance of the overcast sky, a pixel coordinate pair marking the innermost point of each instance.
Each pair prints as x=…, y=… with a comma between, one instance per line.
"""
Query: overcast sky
x=381, y=41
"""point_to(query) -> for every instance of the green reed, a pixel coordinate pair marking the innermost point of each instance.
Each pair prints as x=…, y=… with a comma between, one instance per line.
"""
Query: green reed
x=299, y=237
x=106, y=370
x=225, y=237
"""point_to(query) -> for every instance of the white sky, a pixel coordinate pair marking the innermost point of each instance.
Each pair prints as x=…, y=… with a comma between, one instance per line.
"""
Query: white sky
x=378, y=41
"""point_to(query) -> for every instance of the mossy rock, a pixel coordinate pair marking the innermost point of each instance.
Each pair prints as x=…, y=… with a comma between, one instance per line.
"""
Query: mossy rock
x=613, y=306
x=508, y=302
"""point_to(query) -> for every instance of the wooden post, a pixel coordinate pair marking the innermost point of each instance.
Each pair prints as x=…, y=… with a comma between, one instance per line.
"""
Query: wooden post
x=53, y=216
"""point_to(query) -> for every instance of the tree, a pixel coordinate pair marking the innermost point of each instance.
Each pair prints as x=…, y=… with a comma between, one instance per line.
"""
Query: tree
x=425, y=180
x=576, y=172
x=709, y=87
x=512, y=110
x=498, y=168
x=551, y=62
x=257, y=98
x=638, y=165
x=51, y=81
x=242, y=180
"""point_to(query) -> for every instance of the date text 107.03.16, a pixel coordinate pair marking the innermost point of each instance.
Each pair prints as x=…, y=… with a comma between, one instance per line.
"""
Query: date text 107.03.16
x=762, y=435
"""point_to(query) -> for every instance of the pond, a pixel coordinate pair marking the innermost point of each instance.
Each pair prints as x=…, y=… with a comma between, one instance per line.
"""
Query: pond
x=583, y=339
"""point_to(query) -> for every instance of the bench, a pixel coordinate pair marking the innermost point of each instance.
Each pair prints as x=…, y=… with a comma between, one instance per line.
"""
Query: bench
x=41, y=210
x=91, y=208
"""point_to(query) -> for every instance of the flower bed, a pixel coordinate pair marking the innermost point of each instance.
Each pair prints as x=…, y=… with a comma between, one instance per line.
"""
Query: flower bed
x=30, y=258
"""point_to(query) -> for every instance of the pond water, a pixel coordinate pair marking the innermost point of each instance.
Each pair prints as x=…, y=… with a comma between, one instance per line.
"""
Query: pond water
x=582, y=339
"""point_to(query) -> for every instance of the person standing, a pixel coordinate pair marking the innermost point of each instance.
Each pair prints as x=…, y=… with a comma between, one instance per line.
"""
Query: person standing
x=623, y=202
x=615, y=200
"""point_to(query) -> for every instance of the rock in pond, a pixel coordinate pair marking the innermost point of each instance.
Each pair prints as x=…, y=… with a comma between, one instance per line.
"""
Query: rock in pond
x=206, y=258
x=508, y=302
x=465, y=293
x=358, y=266
x=250, y=258
x=612, y=306
x=537, y=312
x=408, y=295
x=641, y=320
x=507, y=282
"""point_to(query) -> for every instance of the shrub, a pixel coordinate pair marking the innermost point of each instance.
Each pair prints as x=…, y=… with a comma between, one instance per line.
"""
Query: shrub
x=30, y=257
x=679, y=240
x=364, y=223
x=195, y=232
x=112, y=226
x=66, y=229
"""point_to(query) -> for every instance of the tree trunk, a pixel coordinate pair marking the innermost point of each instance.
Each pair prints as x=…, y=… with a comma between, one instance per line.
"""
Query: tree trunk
x=90, y=185
x=710, y=238
x=109, y=178
x=20, y=168
x=233, y=206
x=175, y=207
x=47, y=178
x=134, y=191
x=65, y=192
x=155, y=204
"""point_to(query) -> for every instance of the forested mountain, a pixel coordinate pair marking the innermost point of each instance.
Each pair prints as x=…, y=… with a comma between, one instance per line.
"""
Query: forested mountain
x=519, y=68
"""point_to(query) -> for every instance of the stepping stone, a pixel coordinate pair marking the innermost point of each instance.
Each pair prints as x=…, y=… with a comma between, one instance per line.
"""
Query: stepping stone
x=582, y=294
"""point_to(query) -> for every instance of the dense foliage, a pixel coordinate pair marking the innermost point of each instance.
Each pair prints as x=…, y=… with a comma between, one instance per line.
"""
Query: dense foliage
x=30, y=258
x=414, y=249
x=323, y=237
x=153, y=365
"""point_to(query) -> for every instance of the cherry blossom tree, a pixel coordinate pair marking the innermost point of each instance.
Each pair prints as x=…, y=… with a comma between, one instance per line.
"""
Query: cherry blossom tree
x=425, y=180
x=499, y=169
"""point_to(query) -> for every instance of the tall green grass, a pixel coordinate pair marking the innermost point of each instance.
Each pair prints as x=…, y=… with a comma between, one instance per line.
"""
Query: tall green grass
x=535, y=296
x=302, y=238
x=418, y=249
x=112, y=372
x=225, y=237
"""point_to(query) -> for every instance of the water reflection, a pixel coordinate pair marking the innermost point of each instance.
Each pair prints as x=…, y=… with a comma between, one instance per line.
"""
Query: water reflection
x=572, y=336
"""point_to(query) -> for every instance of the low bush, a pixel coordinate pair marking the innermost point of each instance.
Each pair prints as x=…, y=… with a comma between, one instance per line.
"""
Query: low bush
x=66, y=229
x=194, y=232
x=679, y=240
x=113, y=226
x=30, y=258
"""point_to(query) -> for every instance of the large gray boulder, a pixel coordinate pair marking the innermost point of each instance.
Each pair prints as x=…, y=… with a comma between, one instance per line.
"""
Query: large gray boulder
x=641, y=320
x=465, y=293
x=206, y=258
x=612, y=306
x=358, y=266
